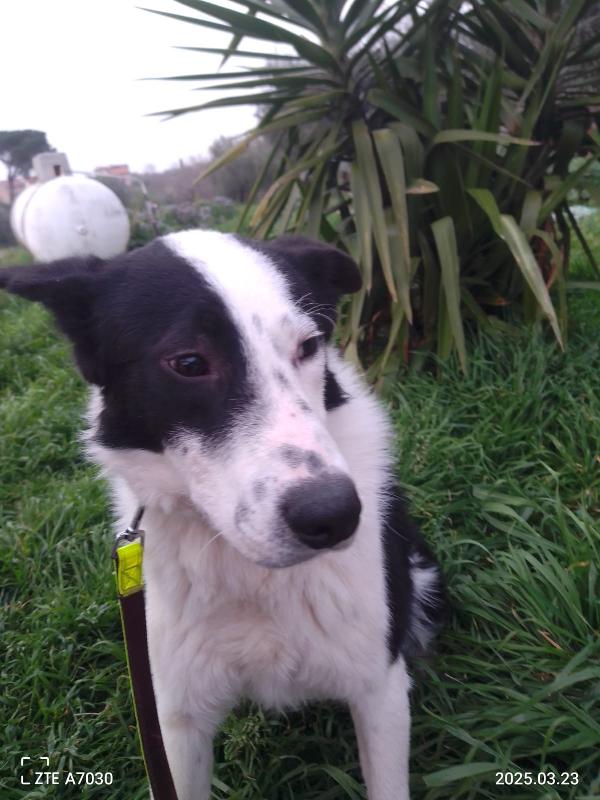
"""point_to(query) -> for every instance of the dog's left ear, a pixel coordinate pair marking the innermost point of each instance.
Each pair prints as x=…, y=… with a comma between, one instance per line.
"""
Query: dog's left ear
x=317, y=274
x=68, y=289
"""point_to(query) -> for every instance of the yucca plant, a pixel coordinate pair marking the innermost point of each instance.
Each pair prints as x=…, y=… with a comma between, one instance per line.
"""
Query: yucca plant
x=431, y=140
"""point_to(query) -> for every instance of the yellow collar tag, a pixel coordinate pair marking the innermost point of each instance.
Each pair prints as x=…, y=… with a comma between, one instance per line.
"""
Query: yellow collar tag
x=129, y=557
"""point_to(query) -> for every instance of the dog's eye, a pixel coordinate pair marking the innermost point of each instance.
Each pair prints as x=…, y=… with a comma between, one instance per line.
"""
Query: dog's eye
x=189, y=365
x=309, y=347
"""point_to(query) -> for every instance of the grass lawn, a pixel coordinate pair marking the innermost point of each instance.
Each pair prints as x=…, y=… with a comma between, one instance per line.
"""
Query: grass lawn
x=503, y=471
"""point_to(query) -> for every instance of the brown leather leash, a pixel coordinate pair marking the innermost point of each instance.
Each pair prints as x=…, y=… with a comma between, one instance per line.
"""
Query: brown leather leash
x=128, y=554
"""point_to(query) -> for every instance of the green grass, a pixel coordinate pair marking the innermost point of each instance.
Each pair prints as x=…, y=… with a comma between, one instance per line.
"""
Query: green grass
x=503, y=471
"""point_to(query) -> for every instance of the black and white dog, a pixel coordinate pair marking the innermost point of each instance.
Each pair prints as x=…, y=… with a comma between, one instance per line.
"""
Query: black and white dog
x=280, y=563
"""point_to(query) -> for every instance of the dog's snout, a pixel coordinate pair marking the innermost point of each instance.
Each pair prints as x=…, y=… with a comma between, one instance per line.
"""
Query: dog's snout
x=322, y=511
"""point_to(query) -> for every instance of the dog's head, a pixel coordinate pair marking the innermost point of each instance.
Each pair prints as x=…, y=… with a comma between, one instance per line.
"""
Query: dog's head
x=210, y=361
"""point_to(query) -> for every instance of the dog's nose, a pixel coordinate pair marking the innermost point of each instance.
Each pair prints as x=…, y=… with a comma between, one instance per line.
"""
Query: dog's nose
x=322, y=511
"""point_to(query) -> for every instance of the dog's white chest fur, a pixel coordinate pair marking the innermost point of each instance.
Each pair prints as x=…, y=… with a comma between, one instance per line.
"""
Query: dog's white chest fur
x=275, y=638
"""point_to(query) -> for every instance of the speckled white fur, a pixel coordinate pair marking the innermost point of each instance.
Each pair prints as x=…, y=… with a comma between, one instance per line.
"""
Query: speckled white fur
x=221, y=626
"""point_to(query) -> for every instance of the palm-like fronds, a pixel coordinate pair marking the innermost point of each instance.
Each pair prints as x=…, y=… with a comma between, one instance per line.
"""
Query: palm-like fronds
x=432, y=140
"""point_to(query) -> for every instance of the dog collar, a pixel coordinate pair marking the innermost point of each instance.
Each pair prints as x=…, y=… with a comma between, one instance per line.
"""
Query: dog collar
x=128, y=555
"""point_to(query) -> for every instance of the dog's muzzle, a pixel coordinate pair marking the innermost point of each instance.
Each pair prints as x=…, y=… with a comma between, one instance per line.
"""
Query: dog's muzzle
x=322, y=511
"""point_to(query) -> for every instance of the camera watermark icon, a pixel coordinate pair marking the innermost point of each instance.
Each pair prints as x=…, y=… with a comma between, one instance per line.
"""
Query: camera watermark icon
x=26, y=762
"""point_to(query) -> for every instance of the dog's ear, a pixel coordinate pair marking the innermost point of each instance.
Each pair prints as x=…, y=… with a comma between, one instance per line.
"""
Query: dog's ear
x=325, y=267
x=317, y=274
x=68, y=288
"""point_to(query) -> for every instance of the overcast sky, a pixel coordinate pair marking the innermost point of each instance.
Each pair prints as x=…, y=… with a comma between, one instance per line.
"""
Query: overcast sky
x=72, y=67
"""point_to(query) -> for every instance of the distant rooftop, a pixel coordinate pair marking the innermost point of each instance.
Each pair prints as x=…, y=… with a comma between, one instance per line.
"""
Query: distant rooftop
x=121, y=170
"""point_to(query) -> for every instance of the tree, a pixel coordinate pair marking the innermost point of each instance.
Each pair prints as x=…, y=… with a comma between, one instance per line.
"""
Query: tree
x=237, y=179
x=17, y=149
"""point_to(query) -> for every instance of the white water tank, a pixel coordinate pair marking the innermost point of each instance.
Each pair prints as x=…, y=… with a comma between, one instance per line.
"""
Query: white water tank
x=69, y=215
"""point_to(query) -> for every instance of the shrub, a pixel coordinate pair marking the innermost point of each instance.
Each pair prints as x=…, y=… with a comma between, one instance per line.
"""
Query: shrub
x=156, y=220
x=433, y=141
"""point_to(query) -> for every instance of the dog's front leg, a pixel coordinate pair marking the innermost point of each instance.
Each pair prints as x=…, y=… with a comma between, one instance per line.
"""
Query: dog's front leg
x=382, y=722
x=189, y=747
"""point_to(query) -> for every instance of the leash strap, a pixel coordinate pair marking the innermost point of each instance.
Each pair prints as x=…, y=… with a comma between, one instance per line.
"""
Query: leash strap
x=128, y=554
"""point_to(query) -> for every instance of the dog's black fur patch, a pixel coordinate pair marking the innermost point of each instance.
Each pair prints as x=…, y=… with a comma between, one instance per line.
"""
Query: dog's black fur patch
x=123, y=317
x=334, y=395
x=403, y=547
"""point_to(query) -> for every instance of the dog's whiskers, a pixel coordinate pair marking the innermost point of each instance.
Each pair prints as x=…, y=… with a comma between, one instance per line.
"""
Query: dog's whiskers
x=210, y=541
